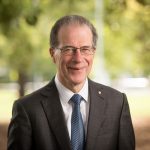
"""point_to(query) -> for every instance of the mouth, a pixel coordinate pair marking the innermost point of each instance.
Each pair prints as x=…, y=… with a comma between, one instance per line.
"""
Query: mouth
x=76, y=68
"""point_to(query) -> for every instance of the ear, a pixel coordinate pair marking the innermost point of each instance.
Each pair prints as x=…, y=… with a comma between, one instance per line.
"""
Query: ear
x=52, y=54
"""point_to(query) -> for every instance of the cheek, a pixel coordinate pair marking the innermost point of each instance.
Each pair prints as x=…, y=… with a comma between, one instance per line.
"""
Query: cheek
x=90, y=61
x=61, y=63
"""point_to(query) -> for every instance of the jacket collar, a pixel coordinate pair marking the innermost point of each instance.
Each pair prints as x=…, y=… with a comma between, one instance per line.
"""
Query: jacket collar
x=55, y=116
x=96, y=113
x=54, y=112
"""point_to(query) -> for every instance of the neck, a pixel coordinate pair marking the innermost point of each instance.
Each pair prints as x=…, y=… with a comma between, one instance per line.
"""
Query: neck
x=74, y=87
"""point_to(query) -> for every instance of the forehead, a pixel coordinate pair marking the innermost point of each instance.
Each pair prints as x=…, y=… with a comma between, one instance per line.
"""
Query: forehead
x=75, y=32
x=74, y=26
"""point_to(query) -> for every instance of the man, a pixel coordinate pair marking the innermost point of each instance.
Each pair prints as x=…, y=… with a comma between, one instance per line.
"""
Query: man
x=72, y=112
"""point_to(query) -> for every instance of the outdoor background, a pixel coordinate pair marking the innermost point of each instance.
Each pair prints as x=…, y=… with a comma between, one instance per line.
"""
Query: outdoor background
x=122, y=59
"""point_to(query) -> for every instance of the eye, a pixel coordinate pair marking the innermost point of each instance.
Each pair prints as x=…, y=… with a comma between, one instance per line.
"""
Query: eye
x=67, y=49
x=85, y=49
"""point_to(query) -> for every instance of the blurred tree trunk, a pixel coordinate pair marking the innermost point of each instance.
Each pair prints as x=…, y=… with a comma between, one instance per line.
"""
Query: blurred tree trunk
x=22, y=79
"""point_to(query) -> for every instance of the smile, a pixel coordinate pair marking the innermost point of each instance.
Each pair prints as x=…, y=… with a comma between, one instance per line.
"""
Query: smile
x=76, y=68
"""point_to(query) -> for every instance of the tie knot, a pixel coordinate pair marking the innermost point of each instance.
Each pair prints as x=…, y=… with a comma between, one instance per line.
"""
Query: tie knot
x=76, y=99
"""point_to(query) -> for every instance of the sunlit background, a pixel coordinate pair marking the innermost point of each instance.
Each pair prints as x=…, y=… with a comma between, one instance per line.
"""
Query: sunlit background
x=122, y=59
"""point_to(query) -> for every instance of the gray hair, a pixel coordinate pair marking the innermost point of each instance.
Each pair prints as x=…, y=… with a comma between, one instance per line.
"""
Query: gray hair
x=67, y=20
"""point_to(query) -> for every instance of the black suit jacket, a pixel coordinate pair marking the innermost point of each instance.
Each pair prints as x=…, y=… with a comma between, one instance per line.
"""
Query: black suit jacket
x=38, y=121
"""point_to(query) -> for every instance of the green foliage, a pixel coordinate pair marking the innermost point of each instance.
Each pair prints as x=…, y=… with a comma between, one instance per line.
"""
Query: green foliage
x=127, y=27
x=25, y=27
x=12, y=11
x=144, y=2
x=16, y=19
x=21, y=56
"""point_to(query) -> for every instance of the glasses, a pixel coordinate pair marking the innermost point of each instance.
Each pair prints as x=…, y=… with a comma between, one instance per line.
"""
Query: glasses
x=71, y=50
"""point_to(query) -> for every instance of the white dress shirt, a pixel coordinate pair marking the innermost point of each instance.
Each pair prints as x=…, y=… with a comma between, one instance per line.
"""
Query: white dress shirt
x=65, y=95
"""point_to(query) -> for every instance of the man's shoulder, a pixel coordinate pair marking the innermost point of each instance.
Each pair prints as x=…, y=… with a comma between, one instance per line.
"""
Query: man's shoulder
x=108, y=93
x=103, y=87
x=38, y=94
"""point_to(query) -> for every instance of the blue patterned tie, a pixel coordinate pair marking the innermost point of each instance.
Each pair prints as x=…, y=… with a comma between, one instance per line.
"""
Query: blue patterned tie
x=77, y=127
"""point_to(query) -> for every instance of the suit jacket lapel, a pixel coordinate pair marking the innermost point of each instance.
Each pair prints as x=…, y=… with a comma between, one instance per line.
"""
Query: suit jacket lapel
x=53, y=110
x=96, y=114
x=54, y=113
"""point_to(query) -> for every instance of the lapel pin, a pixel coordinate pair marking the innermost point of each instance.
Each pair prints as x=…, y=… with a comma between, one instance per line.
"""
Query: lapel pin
x=99, y=92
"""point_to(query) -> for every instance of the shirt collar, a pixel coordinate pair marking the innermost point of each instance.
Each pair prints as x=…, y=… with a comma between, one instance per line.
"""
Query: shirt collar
x=65, y=94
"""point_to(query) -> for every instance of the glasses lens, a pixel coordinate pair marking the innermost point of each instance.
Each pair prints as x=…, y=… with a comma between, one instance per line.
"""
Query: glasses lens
x=87, y=50
x=70, y=50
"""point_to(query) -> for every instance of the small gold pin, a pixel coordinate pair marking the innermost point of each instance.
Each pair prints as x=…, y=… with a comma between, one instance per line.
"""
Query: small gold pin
x=99, y=92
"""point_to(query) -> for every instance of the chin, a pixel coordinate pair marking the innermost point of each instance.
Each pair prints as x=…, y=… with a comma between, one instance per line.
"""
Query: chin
x=79, y=80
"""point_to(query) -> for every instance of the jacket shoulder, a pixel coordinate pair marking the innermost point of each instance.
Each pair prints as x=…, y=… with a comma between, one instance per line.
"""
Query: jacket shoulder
x=38, y=95
x=106, y=88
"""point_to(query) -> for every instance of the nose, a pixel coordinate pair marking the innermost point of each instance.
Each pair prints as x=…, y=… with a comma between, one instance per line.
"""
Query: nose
x=77, y=56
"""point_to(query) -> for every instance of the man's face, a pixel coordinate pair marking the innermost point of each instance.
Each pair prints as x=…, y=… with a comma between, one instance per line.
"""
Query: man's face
x=73, y=69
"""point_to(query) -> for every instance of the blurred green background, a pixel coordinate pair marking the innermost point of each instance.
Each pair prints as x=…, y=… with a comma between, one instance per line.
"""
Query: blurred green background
x=122, y=60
